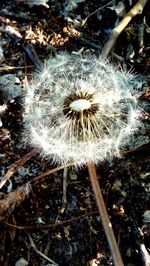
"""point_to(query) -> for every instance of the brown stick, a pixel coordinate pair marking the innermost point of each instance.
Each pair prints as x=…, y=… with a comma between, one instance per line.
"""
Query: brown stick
x=104, y=216
x=15, y=166
x=136, y=10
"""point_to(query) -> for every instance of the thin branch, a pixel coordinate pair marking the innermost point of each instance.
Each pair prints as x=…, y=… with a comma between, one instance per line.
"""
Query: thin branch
x=43, y=226
x=104, y=216
x=136, y=10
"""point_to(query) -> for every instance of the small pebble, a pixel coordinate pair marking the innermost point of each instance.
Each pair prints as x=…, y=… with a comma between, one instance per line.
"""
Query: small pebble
x=21, y=262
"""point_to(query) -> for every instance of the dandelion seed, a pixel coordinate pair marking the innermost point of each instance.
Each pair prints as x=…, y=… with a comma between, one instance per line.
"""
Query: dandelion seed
x=80, y=109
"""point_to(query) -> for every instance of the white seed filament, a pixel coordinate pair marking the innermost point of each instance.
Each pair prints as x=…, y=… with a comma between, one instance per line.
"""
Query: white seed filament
x=80, y=105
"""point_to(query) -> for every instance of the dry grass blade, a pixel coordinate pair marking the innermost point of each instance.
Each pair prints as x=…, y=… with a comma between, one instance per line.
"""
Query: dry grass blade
x=136, y=10
x=138, y=151
x=104, y=216
x=40, y=253
x=48, y=172
x=15, y=198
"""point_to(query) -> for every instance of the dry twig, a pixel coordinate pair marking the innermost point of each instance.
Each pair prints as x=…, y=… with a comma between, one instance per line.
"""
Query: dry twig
x=136, y=10
x=15, y=166
x=65, y=174
x=45, y=226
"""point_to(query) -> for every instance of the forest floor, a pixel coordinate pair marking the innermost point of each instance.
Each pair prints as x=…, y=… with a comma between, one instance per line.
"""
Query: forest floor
x=36, y=227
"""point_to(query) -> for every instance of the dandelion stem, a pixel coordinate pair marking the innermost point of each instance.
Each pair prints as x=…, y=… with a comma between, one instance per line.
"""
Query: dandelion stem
x=104, y=216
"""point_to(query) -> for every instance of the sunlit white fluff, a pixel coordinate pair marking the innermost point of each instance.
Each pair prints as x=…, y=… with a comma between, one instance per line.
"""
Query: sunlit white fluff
x=80, y=109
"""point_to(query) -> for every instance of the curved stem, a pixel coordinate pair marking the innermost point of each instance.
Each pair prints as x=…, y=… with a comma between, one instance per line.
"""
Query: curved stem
x=104, y=216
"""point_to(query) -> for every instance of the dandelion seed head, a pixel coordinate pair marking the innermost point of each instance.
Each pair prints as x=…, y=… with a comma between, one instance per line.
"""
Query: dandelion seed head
x=80, y=109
